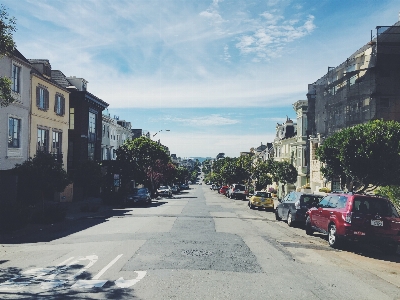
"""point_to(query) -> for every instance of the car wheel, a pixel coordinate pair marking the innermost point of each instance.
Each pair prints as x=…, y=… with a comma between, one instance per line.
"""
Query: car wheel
x=309, y=230
x=289, y=219
x=277, y=217
x=332, y=236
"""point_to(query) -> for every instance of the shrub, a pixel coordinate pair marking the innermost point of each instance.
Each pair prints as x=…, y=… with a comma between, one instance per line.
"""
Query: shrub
x=325, y=190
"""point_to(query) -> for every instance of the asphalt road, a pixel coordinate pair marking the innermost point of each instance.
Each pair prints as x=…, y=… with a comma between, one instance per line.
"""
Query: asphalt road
x=197, y=245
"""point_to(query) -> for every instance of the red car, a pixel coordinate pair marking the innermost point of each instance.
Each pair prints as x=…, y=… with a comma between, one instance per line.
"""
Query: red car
x=356, y=218
x=223, y=189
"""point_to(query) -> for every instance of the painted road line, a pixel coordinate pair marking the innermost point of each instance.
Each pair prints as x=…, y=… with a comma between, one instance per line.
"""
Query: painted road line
x=95, y=282
x=121, y=283
x=107, y=267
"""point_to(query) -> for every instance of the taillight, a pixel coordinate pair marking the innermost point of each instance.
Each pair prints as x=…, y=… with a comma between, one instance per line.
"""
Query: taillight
x=297, y=204
x=347, y=217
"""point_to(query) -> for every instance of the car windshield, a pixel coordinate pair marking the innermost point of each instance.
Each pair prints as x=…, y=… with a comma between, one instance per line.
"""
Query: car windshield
x=310, y=199
x=371, y=205
x=263, y=194
x=163, y=187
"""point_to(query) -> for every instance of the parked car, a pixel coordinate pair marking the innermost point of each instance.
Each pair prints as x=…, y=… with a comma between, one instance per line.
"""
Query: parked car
x=261, y=199
x=237, y=191
x=212, y=186
x=184, y=186
x=138, y=196
x=175, y=189
x=164, y=191
x=294, y=207
x=223, y=189
x=353, y=217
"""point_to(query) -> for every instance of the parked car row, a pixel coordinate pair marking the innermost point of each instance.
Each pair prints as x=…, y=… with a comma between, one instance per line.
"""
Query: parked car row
x=344, y=218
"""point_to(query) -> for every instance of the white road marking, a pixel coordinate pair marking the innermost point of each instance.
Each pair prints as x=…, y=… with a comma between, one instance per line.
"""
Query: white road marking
x=128, y=283
x=95, y=282
x=107, y=267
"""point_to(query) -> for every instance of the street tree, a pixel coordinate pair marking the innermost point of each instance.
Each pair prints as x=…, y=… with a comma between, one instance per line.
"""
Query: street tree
x=137, y=158
x=364, y=156
x=7, y=45
x=261, y=174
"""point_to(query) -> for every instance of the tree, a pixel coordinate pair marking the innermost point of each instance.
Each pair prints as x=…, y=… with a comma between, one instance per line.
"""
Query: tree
x=7, y=45
x=261, y=172
x=392, y=192
x=286, y=172
x=138, y=157
x=42, y=174
x=364, y=156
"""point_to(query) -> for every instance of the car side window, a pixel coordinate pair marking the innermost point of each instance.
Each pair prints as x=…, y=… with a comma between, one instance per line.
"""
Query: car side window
x=341, y=202
x=324, y=202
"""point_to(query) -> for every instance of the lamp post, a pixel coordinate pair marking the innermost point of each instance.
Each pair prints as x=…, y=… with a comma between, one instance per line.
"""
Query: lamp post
x=160, y=131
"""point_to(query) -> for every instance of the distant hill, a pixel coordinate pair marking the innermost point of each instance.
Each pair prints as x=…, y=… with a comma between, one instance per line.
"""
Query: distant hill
x=201, y=159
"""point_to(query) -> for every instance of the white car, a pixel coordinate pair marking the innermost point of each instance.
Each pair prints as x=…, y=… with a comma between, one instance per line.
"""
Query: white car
x=164, y=191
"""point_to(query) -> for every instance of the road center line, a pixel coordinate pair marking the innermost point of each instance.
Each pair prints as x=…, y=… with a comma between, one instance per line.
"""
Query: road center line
x=107, y=267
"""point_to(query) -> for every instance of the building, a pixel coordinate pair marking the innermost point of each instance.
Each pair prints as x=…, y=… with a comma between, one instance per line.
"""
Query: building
x=362, y=88
x=299, y=146
x=14, y=118
x=49, y=113
x=114, y=133
x=85, y=120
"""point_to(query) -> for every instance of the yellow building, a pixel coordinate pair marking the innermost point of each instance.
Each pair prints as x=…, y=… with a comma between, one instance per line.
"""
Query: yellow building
x=49, y=113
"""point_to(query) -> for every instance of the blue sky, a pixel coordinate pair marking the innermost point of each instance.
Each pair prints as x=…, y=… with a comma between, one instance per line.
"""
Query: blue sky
x=218, y=74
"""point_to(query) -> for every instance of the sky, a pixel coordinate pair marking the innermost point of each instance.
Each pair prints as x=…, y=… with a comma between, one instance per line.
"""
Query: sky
x=218, y=74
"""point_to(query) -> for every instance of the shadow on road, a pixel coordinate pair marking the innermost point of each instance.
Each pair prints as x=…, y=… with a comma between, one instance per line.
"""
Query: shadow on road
x=35, y=233
x=363, y=249
x=17, y=285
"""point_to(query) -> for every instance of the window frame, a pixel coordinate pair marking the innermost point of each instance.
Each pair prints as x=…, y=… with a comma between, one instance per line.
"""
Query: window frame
x=59, y=104
x=42, y=98
x=16, y=78
x=17, y=122
x=42, y=139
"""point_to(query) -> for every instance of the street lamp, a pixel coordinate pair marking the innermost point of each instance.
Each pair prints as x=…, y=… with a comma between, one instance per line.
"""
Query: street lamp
x=160, y=131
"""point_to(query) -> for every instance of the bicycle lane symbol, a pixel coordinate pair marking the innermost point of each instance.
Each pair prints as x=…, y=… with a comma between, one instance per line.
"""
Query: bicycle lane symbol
x=38, y=275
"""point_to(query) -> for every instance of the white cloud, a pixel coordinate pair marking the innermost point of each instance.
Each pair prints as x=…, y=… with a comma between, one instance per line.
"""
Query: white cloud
x=271, y=37
x=206, y=144
x=212, y=120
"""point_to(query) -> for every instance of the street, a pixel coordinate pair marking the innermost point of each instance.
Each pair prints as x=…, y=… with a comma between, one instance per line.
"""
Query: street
x=195, y=245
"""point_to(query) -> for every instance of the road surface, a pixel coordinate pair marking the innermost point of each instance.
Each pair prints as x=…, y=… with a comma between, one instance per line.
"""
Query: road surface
x=196, y=245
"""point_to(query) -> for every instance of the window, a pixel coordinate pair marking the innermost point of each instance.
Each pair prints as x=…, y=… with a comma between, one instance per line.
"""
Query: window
x=43, y=140
x=59, y=105
x=71, y=118
x=56, y=145
x=104, y=130
x=42, y=98
x=14, y=129
x=324, y=202
x=91, y=135
x=16, y=74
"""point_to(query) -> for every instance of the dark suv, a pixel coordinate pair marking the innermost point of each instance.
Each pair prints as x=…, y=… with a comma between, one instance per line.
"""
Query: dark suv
x=356, y=218
x=294, y=206
x=237, y=191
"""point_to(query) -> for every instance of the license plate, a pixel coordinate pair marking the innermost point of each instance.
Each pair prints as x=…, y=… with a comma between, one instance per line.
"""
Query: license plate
x=376, y=223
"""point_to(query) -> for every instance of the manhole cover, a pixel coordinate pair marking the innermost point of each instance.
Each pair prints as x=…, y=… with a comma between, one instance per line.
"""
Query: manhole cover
x=197, y=252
